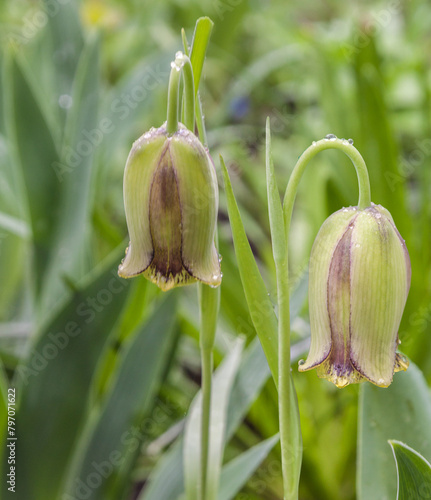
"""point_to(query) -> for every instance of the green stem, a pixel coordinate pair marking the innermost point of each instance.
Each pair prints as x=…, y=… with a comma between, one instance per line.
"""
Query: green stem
x=209, y=300
x=182, y=65
x=290, y=434
x=289, y=424
x=344, y=146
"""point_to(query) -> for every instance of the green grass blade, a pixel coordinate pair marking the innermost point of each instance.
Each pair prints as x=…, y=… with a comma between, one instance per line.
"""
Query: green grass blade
x=169, y=465
x=67, y=40
x=33, y=151
x=401, y=412
x=201, y=38
x=275, y=209
x=73, y=173
x=112, y=438
x=259, y=303
x=237, y=472
x=222, y=385
x=54, y=382
x=413, y=471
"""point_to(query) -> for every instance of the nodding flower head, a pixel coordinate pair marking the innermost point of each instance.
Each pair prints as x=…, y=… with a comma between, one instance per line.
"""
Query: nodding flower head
x=358, y=285
x=171, y=203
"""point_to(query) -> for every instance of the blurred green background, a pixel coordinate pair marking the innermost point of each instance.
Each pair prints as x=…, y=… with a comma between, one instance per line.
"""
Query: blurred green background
x=80, y=81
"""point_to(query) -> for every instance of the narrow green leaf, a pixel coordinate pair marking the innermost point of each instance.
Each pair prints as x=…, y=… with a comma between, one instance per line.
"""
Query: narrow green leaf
x=252, y=375
x=169, y=465
x=67, y=42
x=413, y=471
x=54, y=383
x=402, y=412
x=259, y=303
x=111, y=438
x=237, y=472
x=276, y=220
x=73, y=176
x=201, y=37
x=222, y=385
x=33, y=152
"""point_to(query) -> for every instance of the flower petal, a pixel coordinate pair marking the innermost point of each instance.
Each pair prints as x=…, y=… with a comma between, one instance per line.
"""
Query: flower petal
x=378, y=283
x=140, y=167
x=198, y=192
x=322, y=252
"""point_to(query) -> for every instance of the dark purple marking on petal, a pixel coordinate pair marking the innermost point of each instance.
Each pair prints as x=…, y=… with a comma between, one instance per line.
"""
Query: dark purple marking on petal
x=165, y=219
x=338, y=304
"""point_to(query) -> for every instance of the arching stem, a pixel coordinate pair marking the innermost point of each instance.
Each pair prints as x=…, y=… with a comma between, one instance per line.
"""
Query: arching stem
x=342, y=145
x=290, y=432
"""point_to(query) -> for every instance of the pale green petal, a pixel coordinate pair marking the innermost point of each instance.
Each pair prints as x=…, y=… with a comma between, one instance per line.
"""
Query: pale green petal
x=140, y=167
x=322, y=252
x=379, y=292
x=198, y=191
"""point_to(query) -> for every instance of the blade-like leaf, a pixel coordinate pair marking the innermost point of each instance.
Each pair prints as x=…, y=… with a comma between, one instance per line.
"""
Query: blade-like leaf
x=402, y=412
x=67, y=41
x=259, y=303
x=73, y=176
x=33, y=151
x=413, y=471
x=170, y=465
x=222, y=384
x=252, y=375
x=111, y=439
x=54, y=383
x=237, y=472
x=201, y=37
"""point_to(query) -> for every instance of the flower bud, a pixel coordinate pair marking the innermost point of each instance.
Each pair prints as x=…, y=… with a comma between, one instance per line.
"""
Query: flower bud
x=171, y=203
x=358, y=285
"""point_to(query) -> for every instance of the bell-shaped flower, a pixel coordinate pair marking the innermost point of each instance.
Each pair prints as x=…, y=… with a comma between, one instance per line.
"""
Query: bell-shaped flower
x=171, y=203
x=359, y=280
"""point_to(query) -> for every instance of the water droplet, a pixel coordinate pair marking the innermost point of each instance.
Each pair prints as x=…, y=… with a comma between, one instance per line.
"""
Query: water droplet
x=301, y=362
x=399, y=342
x=313, y=143
x=175, y=66
x=220, y=258
x=350, y=141
x=378, y=215
x=380, y=381
x=147, y=135
x=65, y=101
x=178, y=55
x=330, y=137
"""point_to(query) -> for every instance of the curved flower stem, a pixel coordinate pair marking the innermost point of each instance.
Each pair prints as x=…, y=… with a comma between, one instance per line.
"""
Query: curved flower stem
x=290, y=432
x=182, y=65
x=344, y=146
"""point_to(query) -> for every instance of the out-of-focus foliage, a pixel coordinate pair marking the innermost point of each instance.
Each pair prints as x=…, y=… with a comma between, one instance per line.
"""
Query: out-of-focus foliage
x=80, y=81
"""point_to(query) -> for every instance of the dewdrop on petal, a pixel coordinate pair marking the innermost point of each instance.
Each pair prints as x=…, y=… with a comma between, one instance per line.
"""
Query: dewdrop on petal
x=358, y=285
x=171, y=204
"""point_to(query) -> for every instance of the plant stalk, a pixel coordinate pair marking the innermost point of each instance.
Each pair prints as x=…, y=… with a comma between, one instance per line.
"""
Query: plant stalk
x=290, y=432
x=209, y=300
